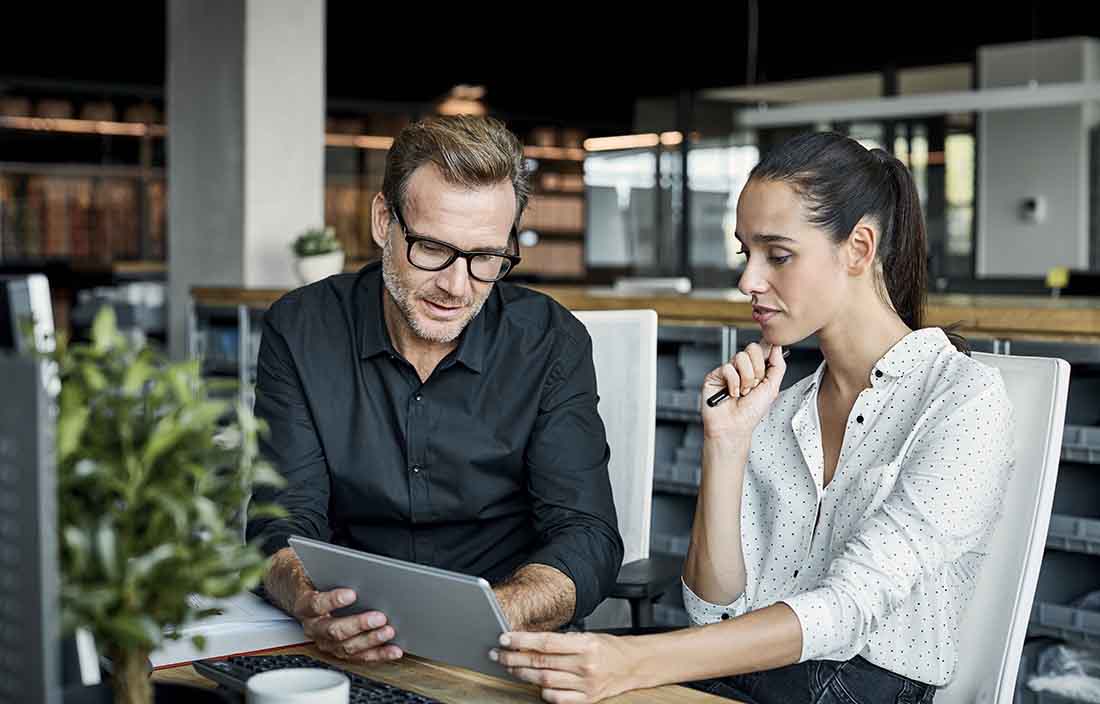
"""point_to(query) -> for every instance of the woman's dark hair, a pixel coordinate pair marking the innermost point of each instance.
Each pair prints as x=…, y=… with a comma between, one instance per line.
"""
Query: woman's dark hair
x=840, y=182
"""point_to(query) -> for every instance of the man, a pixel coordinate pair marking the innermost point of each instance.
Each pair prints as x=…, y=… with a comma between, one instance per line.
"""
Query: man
x=422, y=410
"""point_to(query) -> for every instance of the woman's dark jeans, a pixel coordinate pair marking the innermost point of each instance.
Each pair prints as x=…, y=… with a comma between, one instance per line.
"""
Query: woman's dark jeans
x=821, y=682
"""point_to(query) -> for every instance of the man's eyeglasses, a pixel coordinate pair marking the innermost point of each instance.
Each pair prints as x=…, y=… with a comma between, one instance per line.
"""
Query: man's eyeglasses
x=432, y=255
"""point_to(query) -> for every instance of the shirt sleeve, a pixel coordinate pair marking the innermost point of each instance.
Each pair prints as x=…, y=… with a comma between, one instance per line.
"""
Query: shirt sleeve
x=943, y=506
x=291, y=444
x=568, y=484
x=701, y=612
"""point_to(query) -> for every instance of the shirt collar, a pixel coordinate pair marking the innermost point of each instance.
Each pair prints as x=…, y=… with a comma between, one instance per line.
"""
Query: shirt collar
x=907, y=354
x=374, y=338
x=910, y=352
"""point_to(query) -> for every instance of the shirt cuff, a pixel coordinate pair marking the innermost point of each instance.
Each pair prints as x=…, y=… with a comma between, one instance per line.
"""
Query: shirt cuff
x=584, y=582
x=271, y=543
x=815, y=615
x=702, y=612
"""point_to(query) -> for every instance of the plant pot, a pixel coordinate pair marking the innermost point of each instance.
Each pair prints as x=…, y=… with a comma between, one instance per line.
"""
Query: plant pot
x=163, y=693
x=319, y=266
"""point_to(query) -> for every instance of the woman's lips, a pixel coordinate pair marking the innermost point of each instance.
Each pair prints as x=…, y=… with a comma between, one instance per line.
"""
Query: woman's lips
x=762, y=314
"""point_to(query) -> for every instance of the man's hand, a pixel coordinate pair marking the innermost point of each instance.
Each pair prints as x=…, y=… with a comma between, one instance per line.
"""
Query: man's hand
x=361, y=637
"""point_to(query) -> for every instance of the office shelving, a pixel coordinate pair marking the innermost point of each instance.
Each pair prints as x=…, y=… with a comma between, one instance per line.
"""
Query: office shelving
x=1081, y=444
x=107, y=212
x=1073, y=534
x=1066, y=623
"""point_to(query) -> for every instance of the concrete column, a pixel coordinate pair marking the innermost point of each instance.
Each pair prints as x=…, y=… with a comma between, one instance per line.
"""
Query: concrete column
x=246, y=112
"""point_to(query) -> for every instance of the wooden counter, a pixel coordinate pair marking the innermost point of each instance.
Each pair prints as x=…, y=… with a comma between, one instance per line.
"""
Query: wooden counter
x=1001, y=316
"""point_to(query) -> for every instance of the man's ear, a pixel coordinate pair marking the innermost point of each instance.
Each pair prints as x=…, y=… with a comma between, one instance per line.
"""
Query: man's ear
x=380, y=218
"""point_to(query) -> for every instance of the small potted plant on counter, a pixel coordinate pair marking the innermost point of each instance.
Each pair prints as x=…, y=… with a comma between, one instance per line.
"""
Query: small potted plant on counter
x=318, y=254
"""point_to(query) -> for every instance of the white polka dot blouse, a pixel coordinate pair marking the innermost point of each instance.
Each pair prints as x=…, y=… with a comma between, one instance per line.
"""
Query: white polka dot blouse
x=902, y=528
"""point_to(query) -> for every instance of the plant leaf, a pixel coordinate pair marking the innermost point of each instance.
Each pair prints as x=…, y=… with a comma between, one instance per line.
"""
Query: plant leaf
x=106, y=546
x=265, y=475
x=136, y=375
x=167, y=432
x=70, y=426
x=104, y=329
x=140, y=567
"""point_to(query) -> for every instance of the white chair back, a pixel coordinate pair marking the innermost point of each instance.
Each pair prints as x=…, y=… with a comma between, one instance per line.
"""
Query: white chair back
x=624, y=348
x=994, y=625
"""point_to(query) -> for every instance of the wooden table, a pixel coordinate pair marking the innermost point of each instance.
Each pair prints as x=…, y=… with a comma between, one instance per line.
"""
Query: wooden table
x=447, y=683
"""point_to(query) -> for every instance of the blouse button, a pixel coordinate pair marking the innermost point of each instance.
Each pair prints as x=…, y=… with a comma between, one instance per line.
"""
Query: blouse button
x=859, y=418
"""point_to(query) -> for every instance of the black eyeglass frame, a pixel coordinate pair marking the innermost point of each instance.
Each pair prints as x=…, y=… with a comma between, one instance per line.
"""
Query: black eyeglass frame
x=411, y=239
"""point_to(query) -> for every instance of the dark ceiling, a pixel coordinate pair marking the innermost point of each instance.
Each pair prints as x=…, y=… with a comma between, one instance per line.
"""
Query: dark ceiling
x=558, y=65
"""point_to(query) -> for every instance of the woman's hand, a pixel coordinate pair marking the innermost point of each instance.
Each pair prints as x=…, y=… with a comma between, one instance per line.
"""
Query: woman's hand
x=752, y=378
x=570, y=667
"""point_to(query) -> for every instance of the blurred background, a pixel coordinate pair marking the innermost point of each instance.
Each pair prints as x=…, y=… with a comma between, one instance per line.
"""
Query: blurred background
x=186, y=143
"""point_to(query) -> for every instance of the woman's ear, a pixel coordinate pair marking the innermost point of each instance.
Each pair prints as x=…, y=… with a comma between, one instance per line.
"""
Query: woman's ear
x=861, y=247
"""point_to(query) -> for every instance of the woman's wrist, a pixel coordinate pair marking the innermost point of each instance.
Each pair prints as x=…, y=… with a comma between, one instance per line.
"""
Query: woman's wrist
x=731, y=437
x=727, y=454
x=653, y=661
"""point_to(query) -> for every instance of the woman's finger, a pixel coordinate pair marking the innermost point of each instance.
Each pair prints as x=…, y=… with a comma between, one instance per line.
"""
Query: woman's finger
x=549, y=679
x=534, y=659
x=714, y=380
x=777, y=366
x=756, y=355
x=733, y=379
x=566, y=696
x=558, y=643
x=743, y=364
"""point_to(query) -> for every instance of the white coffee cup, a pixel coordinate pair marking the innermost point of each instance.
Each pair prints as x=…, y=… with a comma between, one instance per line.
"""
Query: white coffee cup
x=298, y=685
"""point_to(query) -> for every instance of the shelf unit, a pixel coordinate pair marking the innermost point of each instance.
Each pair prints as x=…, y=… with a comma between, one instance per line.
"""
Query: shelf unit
x=118, y=211
x=1071, y=564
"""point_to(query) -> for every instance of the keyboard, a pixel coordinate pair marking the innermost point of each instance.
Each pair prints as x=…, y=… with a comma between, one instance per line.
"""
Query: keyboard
x=234, y=672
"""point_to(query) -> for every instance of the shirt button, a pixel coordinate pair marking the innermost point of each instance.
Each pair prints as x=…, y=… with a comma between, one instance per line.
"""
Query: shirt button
x=725, y=617
x=416, y=469
x=418, y=397
x=859, y=418
x=796, y=573
x=878, y=374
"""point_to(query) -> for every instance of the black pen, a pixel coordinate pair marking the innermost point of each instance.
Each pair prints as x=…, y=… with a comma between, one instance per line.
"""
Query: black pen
x=725, y=393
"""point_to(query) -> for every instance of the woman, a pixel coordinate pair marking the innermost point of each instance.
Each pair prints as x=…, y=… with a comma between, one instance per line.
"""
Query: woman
x=840, y=524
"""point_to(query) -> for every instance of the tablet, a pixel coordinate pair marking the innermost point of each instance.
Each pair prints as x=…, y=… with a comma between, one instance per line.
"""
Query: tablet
x=436, y=614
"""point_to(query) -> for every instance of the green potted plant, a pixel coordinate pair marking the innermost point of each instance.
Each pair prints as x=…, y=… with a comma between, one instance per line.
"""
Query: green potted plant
x=153, y=474
x=318, y=254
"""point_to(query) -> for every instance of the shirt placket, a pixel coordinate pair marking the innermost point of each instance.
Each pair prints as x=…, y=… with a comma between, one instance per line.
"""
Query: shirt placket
x=808, y=436
x=418, y=472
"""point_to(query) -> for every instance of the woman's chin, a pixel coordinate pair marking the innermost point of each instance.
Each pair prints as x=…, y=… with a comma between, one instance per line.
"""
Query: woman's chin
x=782, y=338
x=773, y=337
